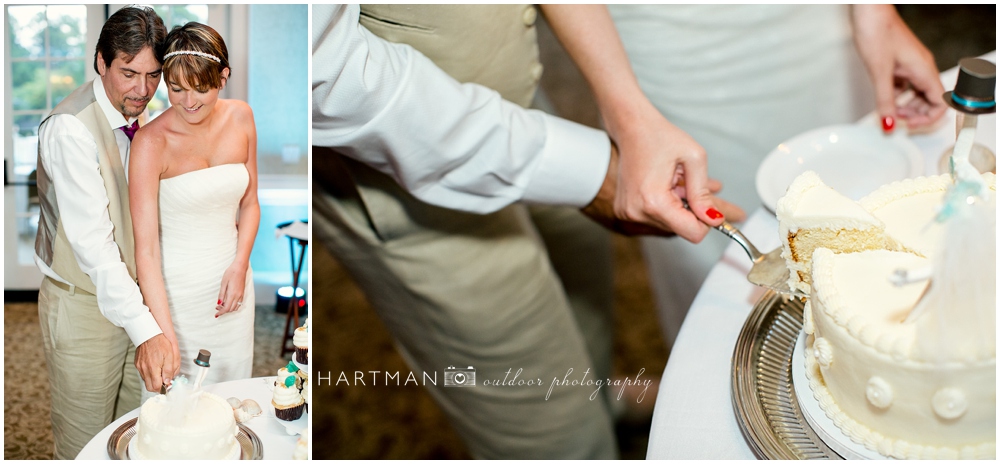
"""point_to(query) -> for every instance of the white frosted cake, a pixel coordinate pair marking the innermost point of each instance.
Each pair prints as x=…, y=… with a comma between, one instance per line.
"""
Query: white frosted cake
x=868, y=376
x=907, y=209
x=201, y=428
x=909, y=371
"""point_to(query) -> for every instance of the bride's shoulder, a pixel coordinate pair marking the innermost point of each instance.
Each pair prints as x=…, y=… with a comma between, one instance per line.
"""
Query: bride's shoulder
x=238, y=108
x=239, y=112
x=148, y=148
x=151, y=133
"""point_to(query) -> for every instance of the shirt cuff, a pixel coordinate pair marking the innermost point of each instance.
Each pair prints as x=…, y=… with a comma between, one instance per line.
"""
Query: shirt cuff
x=142, y=328
x=573, y=167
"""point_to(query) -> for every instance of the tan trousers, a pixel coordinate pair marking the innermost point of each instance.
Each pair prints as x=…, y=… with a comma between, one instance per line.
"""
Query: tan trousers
x=92, y=375
x=460, y=289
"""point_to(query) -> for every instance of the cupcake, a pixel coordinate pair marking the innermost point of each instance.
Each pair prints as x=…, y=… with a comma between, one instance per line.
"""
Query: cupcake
x=290, y=370
x=301, y=341
x=287, y=401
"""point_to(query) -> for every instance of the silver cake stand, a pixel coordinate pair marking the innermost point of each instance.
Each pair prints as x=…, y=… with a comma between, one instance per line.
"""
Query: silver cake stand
x=250, y=446
x=763, y=396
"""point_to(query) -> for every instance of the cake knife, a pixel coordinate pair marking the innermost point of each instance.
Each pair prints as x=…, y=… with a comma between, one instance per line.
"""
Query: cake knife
x=769, y=269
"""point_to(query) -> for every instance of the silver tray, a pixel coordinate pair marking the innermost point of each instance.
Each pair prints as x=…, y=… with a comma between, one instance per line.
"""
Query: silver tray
x=251, y=448
x=763, y=397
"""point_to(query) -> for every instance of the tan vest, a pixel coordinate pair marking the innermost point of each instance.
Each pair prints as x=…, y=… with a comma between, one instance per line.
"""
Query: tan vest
x=51, y=244
x=492, y=45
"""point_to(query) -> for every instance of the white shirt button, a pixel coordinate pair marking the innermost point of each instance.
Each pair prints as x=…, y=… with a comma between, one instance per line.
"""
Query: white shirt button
x=536, y=71
x=529, y=16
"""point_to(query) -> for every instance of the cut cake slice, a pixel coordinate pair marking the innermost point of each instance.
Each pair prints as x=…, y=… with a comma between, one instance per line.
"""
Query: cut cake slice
x=812, y=215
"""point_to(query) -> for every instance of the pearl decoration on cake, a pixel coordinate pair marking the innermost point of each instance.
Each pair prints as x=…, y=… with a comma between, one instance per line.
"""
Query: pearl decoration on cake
x=824, y=352
x=879, y=392
x=949, y=403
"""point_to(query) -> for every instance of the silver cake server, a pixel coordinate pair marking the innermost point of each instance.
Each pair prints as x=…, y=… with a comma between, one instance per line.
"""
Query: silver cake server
x=769, y=269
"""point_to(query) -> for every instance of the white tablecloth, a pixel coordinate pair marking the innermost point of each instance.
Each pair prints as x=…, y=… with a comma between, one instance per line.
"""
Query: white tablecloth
x=276, y=441
x=693, y=417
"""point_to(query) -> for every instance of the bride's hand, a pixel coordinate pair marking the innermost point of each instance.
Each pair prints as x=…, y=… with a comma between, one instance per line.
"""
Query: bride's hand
x=231, y=294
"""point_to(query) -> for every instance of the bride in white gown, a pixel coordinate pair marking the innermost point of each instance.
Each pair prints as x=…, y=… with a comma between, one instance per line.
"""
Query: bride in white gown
x=193, y=197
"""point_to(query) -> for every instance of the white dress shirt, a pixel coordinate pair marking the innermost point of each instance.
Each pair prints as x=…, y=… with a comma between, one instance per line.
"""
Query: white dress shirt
x=459, y=146
x=69, y=154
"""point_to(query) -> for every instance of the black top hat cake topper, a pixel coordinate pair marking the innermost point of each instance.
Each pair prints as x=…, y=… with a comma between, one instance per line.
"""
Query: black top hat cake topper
x=975, y=89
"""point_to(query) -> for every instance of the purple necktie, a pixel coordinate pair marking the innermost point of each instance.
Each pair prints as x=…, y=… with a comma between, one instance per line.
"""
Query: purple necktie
x=130, y=130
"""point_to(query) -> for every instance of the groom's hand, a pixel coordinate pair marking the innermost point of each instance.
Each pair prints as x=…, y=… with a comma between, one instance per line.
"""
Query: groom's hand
x=154, y=359
x=602, y=208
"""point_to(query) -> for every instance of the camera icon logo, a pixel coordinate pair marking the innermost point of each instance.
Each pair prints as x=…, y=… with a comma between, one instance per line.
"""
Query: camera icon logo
x=458, y=377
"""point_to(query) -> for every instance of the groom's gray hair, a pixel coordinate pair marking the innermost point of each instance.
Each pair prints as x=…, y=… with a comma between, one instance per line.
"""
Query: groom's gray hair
x=128, y=31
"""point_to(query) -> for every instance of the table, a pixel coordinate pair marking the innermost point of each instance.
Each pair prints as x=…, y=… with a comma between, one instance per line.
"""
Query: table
x=693, y=417
x=277, y=442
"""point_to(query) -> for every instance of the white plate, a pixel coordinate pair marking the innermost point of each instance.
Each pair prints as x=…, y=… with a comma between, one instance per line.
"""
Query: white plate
x=853, y=160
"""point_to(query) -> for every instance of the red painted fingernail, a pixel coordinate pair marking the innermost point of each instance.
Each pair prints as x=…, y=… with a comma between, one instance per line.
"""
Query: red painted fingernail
x=713, y=213
x=218, y=302
x=888, y=124
x=216, y=316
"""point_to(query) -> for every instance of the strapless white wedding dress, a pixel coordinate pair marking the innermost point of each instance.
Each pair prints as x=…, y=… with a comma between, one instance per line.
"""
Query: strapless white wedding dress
x=198, y=212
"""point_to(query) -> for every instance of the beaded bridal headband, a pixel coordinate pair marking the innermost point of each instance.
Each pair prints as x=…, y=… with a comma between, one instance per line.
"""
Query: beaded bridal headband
x=191, y=52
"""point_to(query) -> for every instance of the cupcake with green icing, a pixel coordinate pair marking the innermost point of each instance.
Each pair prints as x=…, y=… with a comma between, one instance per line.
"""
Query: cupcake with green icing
x=287, y=401
x=290, y=370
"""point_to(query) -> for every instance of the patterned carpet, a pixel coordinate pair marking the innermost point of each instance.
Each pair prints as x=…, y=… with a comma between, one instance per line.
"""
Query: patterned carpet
x=27, y=431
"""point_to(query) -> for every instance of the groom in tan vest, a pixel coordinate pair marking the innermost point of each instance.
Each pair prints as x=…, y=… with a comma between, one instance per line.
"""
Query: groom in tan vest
x=95, y=327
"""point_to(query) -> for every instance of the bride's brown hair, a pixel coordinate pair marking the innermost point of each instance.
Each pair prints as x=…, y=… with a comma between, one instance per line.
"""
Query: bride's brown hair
x=198, y=70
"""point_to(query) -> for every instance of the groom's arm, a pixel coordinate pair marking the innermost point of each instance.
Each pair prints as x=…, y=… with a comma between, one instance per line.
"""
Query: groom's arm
x=459, y=146
x=69, y=154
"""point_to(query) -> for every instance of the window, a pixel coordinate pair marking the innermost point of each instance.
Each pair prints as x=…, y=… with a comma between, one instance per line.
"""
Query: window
x=48, y=59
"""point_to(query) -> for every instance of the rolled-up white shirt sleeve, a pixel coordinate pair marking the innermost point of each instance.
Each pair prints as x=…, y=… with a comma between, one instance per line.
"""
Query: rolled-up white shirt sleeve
x=459, y=146
x=69, y=155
